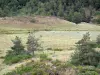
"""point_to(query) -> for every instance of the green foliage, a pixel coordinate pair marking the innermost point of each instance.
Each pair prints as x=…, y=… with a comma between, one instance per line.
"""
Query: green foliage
x=44, y=57
x=36, y=68
x=17, y=53
x=87, y=70
x=18, y=47
x=77, y=17
x=98, y=66
x=85, y=53
x=89, y=73
x=67, y=9
x=49, y=48
x=58, y=49
x=12, y=59
x=85, y=38
x=32, y=44
x=33, y=21
x=98, y=41
x=97, y=13
x=97, y=20
x=57, y=62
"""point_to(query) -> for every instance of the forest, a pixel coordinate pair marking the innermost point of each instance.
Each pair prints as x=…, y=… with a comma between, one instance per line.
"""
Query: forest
x=72, y=10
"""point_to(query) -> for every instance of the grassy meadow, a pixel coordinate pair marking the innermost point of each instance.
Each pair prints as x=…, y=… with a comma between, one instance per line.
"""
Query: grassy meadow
x=11, y=25
x=64, y=40
x=53, y=33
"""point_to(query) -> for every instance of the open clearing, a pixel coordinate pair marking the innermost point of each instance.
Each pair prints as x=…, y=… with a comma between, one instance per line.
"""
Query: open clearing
x=44, y=23
x=49, y=39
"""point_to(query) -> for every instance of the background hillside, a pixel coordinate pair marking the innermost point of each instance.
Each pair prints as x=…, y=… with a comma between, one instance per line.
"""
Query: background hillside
x=45, y=23
x=73, y=10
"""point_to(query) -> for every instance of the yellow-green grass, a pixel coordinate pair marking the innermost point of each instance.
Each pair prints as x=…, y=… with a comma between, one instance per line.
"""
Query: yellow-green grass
x=50, y=39
x=67, y=26
x=42, y=23
x=64, y=40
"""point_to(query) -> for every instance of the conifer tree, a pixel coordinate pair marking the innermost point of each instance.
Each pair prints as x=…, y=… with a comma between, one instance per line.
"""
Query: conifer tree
x=18, y=47
x=32, y=44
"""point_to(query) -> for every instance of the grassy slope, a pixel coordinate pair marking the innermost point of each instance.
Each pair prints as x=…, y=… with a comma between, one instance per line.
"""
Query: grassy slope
x=43, y=23
x=20, y=25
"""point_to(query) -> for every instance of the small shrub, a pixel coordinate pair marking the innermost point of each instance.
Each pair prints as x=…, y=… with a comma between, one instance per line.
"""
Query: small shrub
x=96, y=20
x=36, y=68
x=97, y=13
x=17, y=53
x=47, y=29
x=44, y=57
x=89, y=73
x=32, y=20
x=57, y=49
x=56, y=63
x=49, y=48
x=11, y=59
x=98, y=66
x=87, y=70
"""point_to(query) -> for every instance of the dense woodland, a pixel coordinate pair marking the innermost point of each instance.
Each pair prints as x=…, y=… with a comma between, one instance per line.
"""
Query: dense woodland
x=72, y=10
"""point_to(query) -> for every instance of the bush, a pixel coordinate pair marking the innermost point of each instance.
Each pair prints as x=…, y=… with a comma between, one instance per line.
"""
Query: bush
x=87, y=70
x=85, y=53
x=57, y=49
x=33, y=21
x=11, y=59
x=49, y=48
x=98, y=66
x=56, y=63
x=97, y=13
x=36, y=68
x=97, y=20
x=44, y=57
x=17, y=53
x=77, y=17
x=89, y=73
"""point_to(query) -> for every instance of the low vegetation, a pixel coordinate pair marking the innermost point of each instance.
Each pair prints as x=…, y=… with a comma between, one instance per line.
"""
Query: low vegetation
x=58, y=49
x=85, y=53
x=12, y=59
x=84, y=61
x=42, y=68
x=18, y=52
x=44, y=57
x=96, y=19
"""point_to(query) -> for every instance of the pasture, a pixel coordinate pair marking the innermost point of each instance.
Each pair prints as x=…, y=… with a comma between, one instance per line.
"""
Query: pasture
x=64, y=40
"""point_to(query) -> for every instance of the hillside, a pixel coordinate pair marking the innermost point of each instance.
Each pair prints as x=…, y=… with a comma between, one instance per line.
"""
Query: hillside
x=43, y=23
x=72, y=10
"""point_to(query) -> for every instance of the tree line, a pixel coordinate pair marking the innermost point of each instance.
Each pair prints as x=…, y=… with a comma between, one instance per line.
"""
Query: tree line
x=73, y=10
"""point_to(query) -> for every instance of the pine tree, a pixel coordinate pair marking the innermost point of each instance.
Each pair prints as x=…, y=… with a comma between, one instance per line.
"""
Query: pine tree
x=85, y=53
x=18, y=47
x=32, y=44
